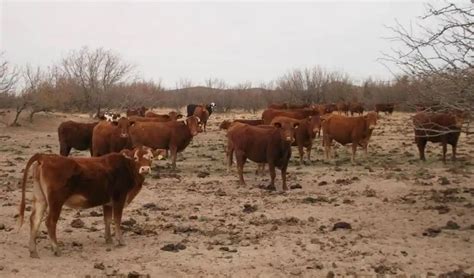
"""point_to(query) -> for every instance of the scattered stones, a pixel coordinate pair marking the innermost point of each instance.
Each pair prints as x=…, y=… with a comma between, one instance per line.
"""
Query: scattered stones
x=431, y=232
x=129, y=222
x=330, y=274
x=456, y=274
x=322, y=183
x=248, y=208
x=2, y=227
x=100, y=266
x=451, y=225
x=173, y=247
x=227, y=249
x=77, y=223
x=95, y=214
x=342, y=225
x=203, y=174
x=443, y=181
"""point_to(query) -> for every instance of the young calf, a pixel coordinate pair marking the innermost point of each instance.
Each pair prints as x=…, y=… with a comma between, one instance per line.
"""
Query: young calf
x=262, y=144
x=111, y=181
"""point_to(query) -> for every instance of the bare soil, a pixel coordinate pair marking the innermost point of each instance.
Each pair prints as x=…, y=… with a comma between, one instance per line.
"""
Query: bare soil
x=400, y=215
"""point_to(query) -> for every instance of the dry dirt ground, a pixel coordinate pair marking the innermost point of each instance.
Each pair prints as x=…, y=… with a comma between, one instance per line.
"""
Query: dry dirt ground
x=407, y=217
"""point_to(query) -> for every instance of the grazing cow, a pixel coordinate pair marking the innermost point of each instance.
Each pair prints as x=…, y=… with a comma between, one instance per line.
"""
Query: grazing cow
x=356, y=107
x=111, y=137
x=304, y=134
x=173, y=136
x=203, y=114
x=75, y=135
x=343, y=107
x=345, y=130
x=262, y=144
x=269, y=114
x=226, y=123
x=171, y=116
x=387, y=108
x=136, y=112
x=443, y=128
x=111, y=181
x=191, y=107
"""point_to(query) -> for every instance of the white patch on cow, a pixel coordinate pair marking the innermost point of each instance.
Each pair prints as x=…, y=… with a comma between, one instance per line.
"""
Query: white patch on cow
x=148, y=155
x=144, y=169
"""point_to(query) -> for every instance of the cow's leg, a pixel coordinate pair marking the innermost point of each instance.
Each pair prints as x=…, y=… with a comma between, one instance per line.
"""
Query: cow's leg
x=283, y=177
x=301, y=152
x=453, y=157
x=354, y=149
x=421, y=144
x=107, y=221
x=308, y=151
x=271, y=168
x=230, y=155
x=445, y=149
x=174, y=154
x=64, y=149
x=240, y=157
x=39, y=206
x=51, y=221
x=117, y=207
x=327, y=146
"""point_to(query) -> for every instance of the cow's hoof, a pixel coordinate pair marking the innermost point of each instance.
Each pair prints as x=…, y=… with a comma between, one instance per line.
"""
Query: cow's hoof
x=34, y=255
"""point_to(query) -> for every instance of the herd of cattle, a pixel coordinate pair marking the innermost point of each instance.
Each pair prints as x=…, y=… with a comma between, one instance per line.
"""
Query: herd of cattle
x=122, y=150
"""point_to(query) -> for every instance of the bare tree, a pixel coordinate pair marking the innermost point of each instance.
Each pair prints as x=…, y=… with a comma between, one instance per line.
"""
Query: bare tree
x=96, y=71
x=8, y=76
x=215, y=83
x=438, y=53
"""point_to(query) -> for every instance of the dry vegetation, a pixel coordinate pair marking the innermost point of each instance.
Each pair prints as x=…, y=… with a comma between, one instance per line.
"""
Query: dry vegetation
x=406, y=216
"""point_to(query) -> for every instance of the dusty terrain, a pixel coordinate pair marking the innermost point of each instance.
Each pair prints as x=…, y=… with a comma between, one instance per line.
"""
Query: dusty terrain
x=398, y=209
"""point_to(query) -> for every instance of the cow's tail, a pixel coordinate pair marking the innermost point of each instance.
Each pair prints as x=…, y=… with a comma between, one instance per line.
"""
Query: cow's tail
x=32, y=160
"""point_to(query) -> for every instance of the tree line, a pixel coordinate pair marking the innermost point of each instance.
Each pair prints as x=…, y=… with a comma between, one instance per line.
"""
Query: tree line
x=433, y=65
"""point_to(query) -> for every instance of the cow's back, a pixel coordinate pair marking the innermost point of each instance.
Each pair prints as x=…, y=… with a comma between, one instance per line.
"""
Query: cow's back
x=344, y=129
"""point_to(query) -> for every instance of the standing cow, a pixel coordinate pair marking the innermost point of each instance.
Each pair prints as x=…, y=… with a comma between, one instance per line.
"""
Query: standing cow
x=345, y=130
x=111, y=137
x=443, y=128
x=262, y=144
x=191, y=107
x=75, y=135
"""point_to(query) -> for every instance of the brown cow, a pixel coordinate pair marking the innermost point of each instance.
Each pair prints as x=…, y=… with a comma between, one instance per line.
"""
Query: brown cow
x=173, y=136
x=227, y=123
x=111, y=137
x=443, y=128
x=288, y=106
x=345, y=130
x=262, y=145
x=343, y=107
x=111, y=181
x=137, y=111
x=269, y=114
x=203, y=114
x=387, y=108
x=304, y=134
x=329, y=108
x=171, y=116
x=75, y=135
x=356, y=107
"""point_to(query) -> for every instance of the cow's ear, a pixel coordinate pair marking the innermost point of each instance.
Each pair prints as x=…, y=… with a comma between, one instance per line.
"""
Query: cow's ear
x=296, y=125
x=132, y=123
x=179, y=116
x=277, y=124
x=126, y=153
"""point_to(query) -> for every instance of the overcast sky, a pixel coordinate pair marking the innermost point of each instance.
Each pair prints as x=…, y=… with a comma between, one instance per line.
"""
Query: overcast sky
x=236, y=42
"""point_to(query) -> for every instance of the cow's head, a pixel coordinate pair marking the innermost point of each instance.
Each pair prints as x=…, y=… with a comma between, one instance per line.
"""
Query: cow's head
x=225, y=124
x=287, y=130
x=194, y=124
x=371, y=119
x=123, y=124
x=143, y=157
x=314, y=124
